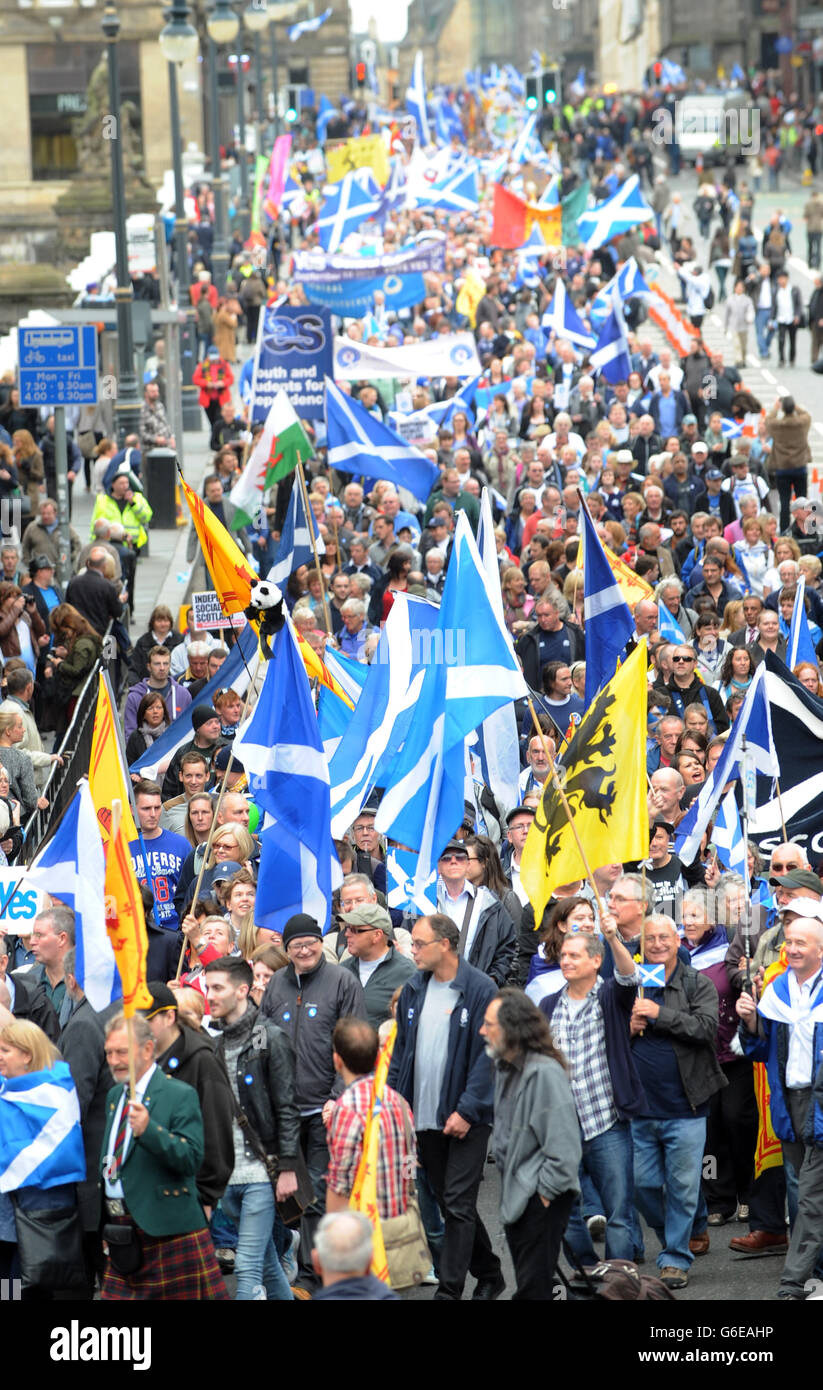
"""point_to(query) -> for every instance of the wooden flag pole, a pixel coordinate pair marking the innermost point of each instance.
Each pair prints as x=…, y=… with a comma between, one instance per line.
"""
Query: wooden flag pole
x=116, y=817
x=311, y=524
x=213, y=827
x=566, y=807
x=780, y=808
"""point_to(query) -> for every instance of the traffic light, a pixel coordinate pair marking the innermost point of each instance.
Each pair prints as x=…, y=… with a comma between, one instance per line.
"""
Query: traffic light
x=550, y=87
x=532, y=92
x=658, y=71
x=360, y=73
x=291, y=115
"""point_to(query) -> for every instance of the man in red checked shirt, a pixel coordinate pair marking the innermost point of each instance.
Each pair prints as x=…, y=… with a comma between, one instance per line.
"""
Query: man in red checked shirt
x=355, y=1047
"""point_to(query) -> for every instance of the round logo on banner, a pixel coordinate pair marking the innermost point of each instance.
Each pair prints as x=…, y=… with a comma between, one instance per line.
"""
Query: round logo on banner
x=348, y=357
x=392, y=284
x=459, y=354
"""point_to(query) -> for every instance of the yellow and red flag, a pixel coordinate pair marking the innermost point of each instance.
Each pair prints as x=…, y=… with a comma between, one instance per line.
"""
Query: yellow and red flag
x=107, y=777
x=513, y=219
x=364, y=1193
x=233, y=577
x=126, y=923
x=768, y=1151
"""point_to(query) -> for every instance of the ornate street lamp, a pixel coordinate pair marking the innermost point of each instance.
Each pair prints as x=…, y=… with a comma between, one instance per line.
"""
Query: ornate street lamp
x=127, y=404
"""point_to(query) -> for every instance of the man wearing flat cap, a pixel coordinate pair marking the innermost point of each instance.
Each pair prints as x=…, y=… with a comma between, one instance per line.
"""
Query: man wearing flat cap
x=374, y=959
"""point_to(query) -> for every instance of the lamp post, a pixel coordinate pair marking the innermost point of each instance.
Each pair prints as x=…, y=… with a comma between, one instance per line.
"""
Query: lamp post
x=127, y=404
x=256, y=19
x=222, y=27
x=277, y=10
x=243, y=208
x=179, y=44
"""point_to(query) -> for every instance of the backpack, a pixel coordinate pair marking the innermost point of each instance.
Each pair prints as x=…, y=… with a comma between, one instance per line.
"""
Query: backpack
x=709, y=300
x=613, y=1281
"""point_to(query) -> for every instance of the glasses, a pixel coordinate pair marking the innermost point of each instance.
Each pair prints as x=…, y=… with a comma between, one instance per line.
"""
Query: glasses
x=418, y=945
x=454, y=859
x=683, y=660
x=302, y=950
x=360, y=931
x=784, y=868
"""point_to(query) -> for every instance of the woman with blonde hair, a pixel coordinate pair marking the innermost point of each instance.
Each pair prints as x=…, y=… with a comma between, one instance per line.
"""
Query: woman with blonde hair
x=28, y=461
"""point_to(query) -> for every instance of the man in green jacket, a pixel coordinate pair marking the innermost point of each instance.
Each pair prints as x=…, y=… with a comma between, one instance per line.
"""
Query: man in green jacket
x=449, y=491
x=155, y=1232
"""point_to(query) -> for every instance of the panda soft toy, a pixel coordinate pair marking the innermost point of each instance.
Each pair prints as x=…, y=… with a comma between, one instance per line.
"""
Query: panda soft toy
x=266, y=608
x=813, y=525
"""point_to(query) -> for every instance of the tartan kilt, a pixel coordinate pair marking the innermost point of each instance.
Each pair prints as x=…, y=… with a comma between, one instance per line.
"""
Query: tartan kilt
x=174, y=1268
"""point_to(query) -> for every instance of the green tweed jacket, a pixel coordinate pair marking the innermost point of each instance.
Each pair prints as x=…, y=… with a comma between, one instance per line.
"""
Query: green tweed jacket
x=159, y=1171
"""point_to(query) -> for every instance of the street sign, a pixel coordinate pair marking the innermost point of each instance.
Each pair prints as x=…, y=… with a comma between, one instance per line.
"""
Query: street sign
x=58, y=365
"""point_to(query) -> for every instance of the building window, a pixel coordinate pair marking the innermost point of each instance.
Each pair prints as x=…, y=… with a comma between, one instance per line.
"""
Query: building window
x=59, y=76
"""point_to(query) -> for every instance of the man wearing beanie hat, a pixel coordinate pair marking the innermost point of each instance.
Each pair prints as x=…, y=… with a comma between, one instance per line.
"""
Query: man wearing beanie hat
x=205, y=723
x=187, y=1055
x=306, y=1000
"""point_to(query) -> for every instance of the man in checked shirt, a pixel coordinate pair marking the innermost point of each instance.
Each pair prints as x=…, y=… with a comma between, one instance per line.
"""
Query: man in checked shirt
x=355, y=1045
x=589, y=1020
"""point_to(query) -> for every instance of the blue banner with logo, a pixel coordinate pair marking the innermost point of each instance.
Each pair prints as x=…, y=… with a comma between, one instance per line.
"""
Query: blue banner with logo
x=347, y=284
x=294, y=353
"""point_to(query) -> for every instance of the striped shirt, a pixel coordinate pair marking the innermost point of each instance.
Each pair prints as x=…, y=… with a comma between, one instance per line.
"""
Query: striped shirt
x=396, y=1162
x=577, y=1029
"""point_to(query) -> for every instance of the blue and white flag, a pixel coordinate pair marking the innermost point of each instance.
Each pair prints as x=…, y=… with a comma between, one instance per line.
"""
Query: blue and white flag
x=423, y=803
x=281, y=750
x=451, y=354
x=325, y=113
x=727, y=836
x=395, y=194
x=498, y=734
x=443, y=412
x=550, y=197
x=520, y=148
x=754, y=721
x=416, y=99
x=333, y=714
x=455, y=193
x=295, y=547
x=41, y=1142
x=234, y=673
x=667, y=624
x=651, y=976
x=737, y=74
x=608, y=620
x=731, y=429
x=612, y=356
x=630, y=282
x=562, y=318
x=72, y=866
x=527, y=260
x=448, y=123
x=360, y=444
x=377, y=729
x=514, y=80
x=801, y=646
x=672, y=75
x=578, y=86
x=347, y=206
x=401, y=867
x=624, y=210
x=308, y=26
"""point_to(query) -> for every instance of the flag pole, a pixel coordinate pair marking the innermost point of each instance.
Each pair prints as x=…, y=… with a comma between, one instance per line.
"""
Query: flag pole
x=213, y=826
x=780, y=808
x=116, y=817
x=311, y=524
x=566, y=807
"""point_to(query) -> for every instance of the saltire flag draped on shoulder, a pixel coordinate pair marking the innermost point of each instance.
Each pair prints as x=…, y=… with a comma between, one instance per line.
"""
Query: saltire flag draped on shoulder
x=295, y=547
x=280, y=748
x=233, y=578
x=41, y=1142
x=282, y=442
x=624, y=210
x=126, y=924
x=71, y=865
x=360, y=444
x=603, y=771
x=476, y=673
x=608, y=621
x=754, y=721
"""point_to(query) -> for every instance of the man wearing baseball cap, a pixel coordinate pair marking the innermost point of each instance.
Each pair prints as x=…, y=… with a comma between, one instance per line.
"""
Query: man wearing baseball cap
x=374, y=959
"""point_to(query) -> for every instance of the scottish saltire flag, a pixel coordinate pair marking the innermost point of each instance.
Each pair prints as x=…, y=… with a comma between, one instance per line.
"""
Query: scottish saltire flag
x=41, y=1142
x=395, y=193
x=295, y=548
x=514, y=80
x=727, y=836
x=612, y=355
x=550, y=197
x=731, y=429
x=498, y=734
x=346, y=207
x=333, y=716
x=630, y=282
x=366, y=181
x=562, y=318
x=667, y=624
x=325, y=113
x=651, y=976
x=422, y=805
x=308, y=26
x=672, y=75
x=608, y=620
x=375, y=734
x=281, y=750
x=401, y=867
x=235, y=673
x=801, y=646
x=455, y=193
x=358, y=443
x=448, y=123
x=754, y=721
x=442, y=412
x=527, y=260
x=624, y=210
x=416, y=100
x=72, y=867
x=519, y=153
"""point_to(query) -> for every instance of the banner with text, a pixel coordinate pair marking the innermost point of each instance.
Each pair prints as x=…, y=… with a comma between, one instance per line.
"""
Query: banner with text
x=294, y=351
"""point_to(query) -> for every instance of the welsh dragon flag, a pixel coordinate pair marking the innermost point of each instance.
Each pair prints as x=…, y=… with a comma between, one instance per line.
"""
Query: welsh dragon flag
x=273, y=457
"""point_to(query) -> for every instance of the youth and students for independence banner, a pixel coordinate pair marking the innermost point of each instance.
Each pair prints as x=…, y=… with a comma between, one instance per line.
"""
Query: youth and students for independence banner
x=294, y=352
x=347, y=284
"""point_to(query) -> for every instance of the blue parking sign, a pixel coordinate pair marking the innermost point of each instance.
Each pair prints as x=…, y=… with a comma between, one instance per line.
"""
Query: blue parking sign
x=58, y=365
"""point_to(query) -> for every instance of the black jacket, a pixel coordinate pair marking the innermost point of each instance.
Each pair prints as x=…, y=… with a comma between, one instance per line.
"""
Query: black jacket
x=528, y=649
x=268, y=1099
x=139, y=658
x=82, y=1043
x=96, y=598
x=693, y=694
x=163, y=953
x=306, y=1008
x=727, y=509
x=688, y=1018
x=192, y=1059
x=31, y=1002
x=392, y=971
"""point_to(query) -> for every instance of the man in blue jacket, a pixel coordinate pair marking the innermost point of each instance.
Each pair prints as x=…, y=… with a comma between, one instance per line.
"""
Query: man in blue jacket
x=785, y=1030
x=440, y=1067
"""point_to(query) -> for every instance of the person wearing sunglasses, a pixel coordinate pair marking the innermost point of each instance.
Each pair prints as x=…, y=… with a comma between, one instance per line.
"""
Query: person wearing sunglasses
x=686, y=688
x=487, y=934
